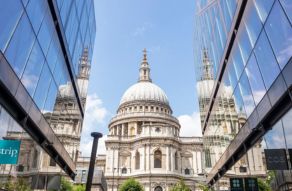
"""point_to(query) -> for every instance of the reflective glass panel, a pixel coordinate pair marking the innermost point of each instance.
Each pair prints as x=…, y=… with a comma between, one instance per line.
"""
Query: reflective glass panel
x=266, y=60
x=274, y=137
x=237, y=60
x=45, y=33
x=232, y=75
x=239, y=102
x=36, y=12
x=10, y=13
x=33, y=69
x=65, y=11
x=255, y=79
x=287, y=4
x=244, y=44
x=53, y=53
x=287, y=124
x=226, y=14
x=51, y=98
x=263, y=8
x=246, y=94
x=42, y=87
x=20, y=45
x=252, y=22
x=279, y=32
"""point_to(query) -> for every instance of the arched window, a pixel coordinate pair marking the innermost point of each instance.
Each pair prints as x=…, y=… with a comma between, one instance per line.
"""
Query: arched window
x=158, y=188
x=137, y=160
x=187, y=171
x=175, y=161
x=157, y=159
x=124, y=170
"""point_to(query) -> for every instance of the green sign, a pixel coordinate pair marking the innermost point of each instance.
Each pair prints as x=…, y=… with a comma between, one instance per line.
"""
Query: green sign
x=9, y=151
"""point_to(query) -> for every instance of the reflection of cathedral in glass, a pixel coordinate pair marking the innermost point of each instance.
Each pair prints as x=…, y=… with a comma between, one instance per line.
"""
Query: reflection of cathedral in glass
x=225, y=120
x=66, y=120
x=35, y=165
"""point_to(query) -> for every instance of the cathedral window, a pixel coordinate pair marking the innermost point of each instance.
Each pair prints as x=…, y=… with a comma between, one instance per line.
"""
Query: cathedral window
x=137, y=160
x=124, y=170
x=208, y=158
x=157, y=159
x=139, y=130
x=175, y=161
x=158, y=188
x=157, y=130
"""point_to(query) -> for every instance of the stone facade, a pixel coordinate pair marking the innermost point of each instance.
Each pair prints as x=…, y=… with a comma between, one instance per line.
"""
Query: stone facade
x=144, y=141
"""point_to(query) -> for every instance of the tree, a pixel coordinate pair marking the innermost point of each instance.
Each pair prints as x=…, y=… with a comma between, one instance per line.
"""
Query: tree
x=79, y=188
x=18, y=184
x=180, y=186
x=66, y=185
x=131, y=185
x=263, y=185
x=204, y=187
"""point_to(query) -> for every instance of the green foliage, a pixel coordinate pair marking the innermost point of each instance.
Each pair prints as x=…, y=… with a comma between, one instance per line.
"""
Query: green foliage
x=180, y=186
x=204, y=187
x=79, y=188
x=66, y=185
x=263, y=185
x=131, y=185
x=69, y=186
x=18, y=184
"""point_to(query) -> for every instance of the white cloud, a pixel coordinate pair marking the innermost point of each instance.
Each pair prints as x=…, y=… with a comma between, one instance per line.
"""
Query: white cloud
x=95, y=113
x=140, y=30
x=190, y=125
x=85, y=147
x=95, y=116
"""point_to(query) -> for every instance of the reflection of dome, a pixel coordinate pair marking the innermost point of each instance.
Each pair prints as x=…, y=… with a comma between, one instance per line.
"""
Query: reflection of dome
x=66, y=90
x=144, y=91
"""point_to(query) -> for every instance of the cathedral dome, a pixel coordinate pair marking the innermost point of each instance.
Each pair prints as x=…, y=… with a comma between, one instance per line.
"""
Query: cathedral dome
x=144, y=91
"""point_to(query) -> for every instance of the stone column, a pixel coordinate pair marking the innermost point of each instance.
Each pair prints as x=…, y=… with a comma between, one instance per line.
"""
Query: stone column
x=199, y=161
x=123, y=131
x=147, y=157
x=167, y=158
x=144, y=158
x=195, y=164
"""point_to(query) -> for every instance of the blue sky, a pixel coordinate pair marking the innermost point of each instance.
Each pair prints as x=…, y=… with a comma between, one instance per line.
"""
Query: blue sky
x=124, y=28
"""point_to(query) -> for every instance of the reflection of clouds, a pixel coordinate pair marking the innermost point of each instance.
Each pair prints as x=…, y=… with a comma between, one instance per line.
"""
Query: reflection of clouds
x=7, y=124
x=258, y=95
x=248, y=103
x=287, y=123
x=29, y=81
x=284, y=55
x=274, y=138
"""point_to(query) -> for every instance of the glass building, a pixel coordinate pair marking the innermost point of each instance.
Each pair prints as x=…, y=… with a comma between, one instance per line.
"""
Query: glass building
x=245, y=98
x=45, y=52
